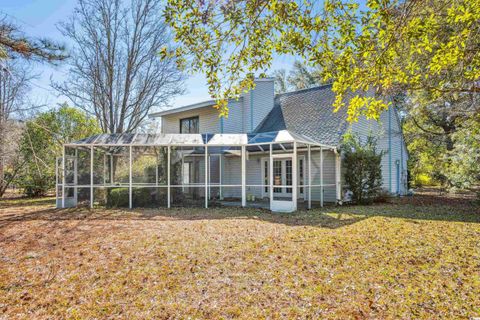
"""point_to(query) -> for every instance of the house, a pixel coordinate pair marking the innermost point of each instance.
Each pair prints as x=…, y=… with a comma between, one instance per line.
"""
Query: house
x=278, y=151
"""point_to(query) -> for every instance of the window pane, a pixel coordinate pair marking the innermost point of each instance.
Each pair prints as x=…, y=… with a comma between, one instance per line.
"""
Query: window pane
x=189, y=125
x=194, y=125
x=184, y=128
x=288, y=169
x=277, y=175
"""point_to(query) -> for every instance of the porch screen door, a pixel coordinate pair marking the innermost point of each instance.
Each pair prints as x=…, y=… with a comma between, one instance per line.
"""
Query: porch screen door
x=283, y=172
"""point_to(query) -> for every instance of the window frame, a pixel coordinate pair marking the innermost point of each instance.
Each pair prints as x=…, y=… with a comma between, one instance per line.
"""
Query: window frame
x=189, y=119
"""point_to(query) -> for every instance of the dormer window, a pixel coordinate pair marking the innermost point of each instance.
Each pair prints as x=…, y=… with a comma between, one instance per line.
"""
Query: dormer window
x=189, y=125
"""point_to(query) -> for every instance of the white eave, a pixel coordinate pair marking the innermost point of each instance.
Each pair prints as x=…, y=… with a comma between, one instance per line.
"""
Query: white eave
x=202, y=104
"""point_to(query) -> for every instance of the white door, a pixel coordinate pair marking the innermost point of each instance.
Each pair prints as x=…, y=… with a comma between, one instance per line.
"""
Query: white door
x=283, y=173
x=301, y=173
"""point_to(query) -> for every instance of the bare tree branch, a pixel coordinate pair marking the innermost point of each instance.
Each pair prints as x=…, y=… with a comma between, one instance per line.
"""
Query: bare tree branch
x=14, y=86
x=115, y=71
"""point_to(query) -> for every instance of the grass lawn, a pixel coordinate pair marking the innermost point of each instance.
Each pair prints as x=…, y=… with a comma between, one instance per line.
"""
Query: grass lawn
x=414, y=258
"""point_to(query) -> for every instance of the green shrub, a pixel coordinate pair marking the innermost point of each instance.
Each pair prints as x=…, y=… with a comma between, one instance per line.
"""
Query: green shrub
x=142, y=197
x=363, y=171
x=117, y=197
x=35, y=186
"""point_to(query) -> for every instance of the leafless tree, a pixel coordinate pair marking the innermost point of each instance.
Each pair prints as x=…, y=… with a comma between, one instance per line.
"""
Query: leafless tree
x=15, y=79
x=115, y=71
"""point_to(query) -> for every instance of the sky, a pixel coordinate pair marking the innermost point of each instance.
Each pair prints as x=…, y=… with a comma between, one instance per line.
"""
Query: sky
x=40, y=18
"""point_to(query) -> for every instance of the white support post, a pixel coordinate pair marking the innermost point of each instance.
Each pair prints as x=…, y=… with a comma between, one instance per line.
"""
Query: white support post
x=104, y=174
x=209, y=179
x=56, y=181
x=206, y=177
x=63, y=177
x=91, y=176
x=294, y=177
x=270, y=161
x=104, y=169
x=309, y=177
x=321, y=177
x=338, y=181
x=111, y=169
x=220, y=163
x=244, y=189
x=75, y=178
x=156, y=173
x=130, y=190
x=183, y=173
x=168, y=177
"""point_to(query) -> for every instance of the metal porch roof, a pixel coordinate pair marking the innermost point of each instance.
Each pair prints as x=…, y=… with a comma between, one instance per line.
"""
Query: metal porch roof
x=216, y=139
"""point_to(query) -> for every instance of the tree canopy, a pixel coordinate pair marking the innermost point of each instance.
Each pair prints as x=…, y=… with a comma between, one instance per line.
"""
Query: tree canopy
x=386, y=46
x=299, y=77
x=42, y=142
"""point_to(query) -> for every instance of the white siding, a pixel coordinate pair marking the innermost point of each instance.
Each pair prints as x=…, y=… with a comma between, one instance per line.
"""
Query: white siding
x=234, y=122
x=209, y=121
x=239, y=120
x=258, y=103
x=328, y=175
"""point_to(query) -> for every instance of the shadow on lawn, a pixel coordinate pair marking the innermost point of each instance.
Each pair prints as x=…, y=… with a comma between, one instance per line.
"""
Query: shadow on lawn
x=25, y=201
x=34, y=212
x=418, y=208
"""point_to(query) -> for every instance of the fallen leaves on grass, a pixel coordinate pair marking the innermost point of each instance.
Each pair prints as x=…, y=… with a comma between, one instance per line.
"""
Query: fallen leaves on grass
x=383, y=261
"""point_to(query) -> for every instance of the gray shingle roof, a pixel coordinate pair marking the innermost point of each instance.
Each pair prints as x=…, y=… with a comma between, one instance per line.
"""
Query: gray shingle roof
x=308, y=112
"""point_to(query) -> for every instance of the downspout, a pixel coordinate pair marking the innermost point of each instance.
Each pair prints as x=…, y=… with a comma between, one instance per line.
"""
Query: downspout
x=221, y=124
x=251, y=110
x=390, y=148
x=398, y=177
x=401, y=164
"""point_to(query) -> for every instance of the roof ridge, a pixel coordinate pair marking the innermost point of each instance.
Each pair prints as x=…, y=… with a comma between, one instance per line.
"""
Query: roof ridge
x=303, y=90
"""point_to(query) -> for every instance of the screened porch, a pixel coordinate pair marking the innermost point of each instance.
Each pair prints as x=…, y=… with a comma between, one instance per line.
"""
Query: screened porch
x=280, y=171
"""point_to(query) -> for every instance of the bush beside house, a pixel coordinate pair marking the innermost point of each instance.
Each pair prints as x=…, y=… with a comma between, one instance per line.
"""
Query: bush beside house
x=362, y=165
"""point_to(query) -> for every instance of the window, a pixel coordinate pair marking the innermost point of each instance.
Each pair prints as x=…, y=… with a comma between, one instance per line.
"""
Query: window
x=189, y=125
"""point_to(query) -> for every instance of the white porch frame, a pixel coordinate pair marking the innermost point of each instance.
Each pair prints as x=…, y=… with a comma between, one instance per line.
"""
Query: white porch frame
x=282, y=152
